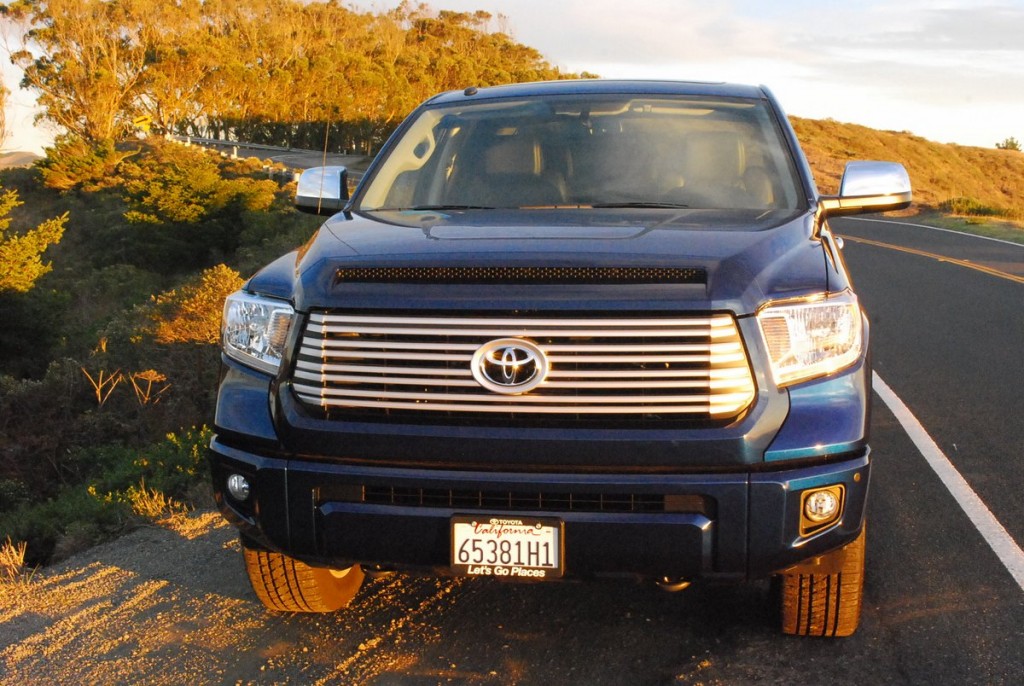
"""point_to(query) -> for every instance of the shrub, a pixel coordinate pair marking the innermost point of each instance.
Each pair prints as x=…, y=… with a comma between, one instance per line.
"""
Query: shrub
x=61, y=526
x=970, y=207
x=74, y=164
x=127, y=485
x=31, y=335
x=171, y=466
x=178, y=185
x=1010, y=143
x=13, y=494
x=192, y=313
x=21, y=254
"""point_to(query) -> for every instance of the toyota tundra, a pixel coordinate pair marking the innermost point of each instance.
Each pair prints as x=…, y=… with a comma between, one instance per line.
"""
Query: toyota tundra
x=561, y=330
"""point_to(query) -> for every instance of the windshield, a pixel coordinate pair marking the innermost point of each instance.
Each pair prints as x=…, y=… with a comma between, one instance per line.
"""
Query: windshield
x=589, y=151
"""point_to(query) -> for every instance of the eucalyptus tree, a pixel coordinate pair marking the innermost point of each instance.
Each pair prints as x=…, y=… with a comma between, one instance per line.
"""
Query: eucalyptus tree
x=86, y=60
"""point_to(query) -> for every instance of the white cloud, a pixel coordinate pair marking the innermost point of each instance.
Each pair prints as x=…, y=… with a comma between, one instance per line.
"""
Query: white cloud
x=949, y=70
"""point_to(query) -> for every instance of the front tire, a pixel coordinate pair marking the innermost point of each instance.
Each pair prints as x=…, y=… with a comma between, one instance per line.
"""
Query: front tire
x=826, y=604
x=285, y=584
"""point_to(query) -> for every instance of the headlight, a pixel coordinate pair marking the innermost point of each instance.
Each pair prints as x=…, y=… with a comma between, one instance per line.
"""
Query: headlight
x=254, y=330
x=812, y=338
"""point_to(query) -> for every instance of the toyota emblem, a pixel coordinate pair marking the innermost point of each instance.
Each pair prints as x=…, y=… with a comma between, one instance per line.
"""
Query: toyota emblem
x=510, y=365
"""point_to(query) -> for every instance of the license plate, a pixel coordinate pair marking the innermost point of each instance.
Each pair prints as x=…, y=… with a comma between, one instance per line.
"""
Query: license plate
x=520, y=548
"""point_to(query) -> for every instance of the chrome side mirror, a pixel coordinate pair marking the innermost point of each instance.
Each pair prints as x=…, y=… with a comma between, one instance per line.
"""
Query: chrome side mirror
x=868, y=187
x=322, y=190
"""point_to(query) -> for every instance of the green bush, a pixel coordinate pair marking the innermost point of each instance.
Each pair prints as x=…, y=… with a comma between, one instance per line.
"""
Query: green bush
x=970, y=207
x=77, y=517
x=13, y=494
x=71, y=521
x=75, y=164
x=173, y=184
x=172, y=466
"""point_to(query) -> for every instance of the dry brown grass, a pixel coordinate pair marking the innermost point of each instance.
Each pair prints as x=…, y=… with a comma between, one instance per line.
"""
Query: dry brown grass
x=154, y=505
x=940, y=172
x=12, y=563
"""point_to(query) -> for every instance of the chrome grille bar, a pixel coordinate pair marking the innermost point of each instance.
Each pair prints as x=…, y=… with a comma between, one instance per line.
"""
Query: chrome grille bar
x=691, y=366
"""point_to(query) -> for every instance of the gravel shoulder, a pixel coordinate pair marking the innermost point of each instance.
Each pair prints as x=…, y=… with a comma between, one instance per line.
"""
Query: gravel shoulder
x=173, y=606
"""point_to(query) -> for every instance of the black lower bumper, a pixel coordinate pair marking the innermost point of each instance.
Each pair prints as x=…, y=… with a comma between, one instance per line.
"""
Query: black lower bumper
x=733, y=525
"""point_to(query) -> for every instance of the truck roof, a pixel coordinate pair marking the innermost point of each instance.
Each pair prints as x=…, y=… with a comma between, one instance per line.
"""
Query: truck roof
x=609, y=86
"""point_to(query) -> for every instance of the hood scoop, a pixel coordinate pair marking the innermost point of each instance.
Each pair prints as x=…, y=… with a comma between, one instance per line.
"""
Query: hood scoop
x=506, y=275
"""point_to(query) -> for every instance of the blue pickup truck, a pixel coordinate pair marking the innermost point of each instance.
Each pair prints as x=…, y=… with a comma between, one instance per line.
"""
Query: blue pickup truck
x=561, y=330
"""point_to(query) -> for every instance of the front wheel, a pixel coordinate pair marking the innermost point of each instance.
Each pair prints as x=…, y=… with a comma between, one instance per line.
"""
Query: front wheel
x=826, y=603
x=288, y=585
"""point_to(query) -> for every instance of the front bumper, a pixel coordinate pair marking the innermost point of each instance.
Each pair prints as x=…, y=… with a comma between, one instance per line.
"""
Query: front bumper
x=726, y=525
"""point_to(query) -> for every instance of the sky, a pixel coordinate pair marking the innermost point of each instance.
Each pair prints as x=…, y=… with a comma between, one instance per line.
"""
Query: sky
x=951, y=71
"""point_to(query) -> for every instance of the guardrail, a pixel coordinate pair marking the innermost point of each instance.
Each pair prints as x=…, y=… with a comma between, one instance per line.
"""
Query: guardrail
x=290, y=169
x=235, y=145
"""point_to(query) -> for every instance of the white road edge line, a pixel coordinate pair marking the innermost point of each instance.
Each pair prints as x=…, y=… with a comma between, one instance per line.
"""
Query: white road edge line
x=935, y=228
x=1002, y=544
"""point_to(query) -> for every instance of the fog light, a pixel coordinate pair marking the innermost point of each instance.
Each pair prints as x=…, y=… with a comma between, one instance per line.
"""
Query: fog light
x=821, y=507
x=238, y=487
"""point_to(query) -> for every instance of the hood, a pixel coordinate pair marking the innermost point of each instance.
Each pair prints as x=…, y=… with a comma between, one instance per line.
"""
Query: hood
x=585, y=259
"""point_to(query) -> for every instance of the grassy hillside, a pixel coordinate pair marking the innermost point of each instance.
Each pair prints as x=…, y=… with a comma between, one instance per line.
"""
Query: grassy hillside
x=951, y=178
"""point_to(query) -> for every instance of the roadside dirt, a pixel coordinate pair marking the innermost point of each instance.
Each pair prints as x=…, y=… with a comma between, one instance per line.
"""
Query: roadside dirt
x=174, y=607
x=162, y=606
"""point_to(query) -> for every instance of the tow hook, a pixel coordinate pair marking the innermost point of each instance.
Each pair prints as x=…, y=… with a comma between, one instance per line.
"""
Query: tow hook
x=671, y=585
x=378, y=571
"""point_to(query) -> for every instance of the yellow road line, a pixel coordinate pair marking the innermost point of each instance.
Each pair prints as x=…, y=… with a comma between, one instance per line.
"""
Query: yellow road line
x=941, y=258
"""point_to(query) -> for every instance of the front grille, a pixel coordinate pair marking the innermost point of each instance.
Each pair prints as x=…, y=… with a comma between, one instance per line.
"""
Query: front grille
x=535, y=501
x=683, y=367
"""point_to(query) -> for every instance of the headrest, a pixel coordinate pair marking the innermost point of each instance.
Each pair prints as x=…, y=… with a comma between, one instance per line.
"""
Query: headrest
x=516, y=155
x=715, y=156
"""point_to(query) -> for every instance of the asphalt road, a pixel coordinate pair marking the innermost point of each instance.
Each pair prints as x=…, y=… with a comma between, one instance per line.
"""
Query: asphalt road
x=941, y=606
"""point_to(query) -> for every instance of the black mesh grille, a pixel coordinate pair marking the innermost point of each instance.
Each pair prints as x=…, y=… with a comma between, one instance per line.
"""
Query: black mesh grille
x=522, y=275
x=516, y=500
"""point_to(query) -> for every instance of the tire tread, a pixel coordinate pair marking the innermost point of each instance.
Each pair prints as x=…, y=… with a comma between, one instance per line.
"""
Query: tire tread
x=284, y=584
x=826, y=604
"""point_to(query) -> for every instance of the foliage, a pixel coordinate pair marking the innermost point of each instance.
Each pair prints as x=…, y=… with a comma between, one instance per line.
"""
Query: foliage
x=21, y=262
x=1010, y=143
x=31, y=335
x=159, y=207
x=76, y=164
x=175, y=184
x=60, y=526
x=970, y=207
x=128, y=487
x=270, y=71
x=130, y=366
x=172, y=466
x=90, y=64
x=192, y=313
x=152, y=504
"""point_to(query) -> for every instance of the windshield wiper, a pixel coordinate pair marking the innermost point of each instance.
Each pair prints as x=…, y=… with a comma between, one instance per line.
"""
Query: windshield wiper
x=440, y=208
x=641, y=205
